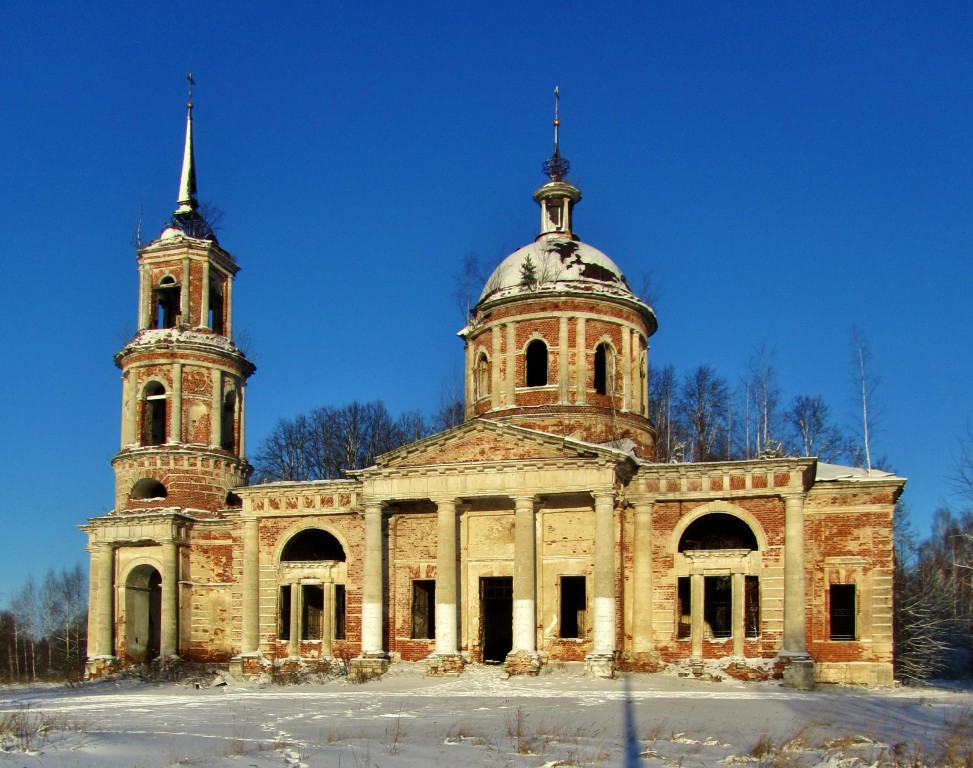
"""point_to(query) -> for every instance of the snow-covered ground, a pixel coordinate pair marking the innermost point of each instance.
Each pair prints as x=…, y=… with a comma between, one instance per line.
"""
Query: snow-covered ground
x=559, y=718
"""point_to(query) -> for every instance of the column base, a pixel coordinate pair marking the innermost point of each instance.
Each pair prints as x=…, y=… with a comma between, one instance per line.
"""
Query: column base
x=600, y=665
x=246, y=664
x=798, y=672
x=444, y=664
x=523, y=663
x=368, y=666
x=100, y=666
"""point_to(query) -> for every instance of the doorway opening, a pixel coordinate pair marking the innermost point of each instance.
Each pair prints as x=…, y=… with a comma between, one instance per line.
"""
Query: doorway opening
x=143, y=614
x=496, y=618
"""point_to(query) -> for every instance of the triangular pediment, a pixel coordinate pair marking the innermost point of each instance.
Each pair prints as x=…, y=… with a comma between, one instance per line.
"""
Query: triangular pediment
x=482, y=440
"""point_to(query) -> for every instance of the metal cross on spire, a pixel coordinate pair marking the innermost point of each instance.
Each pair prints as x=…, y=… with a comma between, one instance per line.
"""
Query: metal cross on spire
x=556, y=167
x=189, y=101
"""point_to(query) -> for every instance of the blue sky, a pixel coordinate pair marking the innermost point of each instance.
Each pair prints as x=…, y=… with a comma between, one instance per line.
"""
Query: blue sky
x=784, y=169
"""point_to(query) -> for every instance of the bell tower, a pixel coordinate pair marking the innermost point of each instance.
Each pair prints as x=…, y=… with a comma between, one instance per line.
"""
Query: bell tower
x=183, y=378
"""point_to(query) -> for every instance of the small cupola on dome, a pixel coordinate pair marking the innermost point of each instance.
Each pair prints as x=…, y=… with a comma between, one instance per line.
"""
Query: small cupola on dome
x=557, y=197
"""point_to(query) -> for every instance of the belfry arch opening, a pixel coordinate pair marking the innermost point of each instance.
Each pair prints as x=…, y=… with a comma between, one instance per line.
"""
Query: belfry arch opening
x=167, y=303
x=143, y=614
x=718, y=530
x=228, y=423
x=536, y=364
x=148, y=488
x=154, y=415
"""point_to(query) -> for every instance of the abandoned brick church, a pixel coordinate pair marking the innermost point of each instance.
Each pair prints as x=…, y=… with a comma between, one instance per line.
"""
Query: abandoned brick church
x=534, y=531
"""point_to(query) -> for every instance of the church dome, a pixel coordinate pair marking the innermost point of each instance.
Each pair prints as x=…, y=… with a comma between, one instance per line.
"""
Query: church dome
x=556, y=263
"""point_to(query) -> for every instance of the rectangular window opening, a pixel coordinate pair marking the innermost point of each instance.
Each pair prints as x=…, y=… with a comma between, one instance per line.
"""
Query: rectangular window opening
x=717, y=606
x=574, y=604
x=684, y=611
x=842, y=611
x=751, y=607
x=313, y=609
x=339, y=611
x=423, y=609
x=284, y=613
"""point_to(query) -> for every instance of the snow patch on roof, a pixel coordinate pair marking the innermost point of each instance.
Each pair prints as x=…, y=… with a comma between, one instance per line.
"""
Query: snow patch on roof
x=827, y=472
x=558, y=263
x=153, y=336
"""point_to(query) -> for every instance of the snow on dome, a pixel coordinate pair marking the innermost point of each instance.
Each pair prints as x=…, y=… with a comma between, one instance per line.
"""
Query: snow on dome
x=556, y=263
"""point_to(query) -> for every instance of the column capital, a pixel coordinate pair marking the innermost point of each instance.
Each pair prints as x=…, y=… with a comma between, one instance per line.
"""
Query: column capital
x=522, y=500
x=604, y=495
x=441, y=501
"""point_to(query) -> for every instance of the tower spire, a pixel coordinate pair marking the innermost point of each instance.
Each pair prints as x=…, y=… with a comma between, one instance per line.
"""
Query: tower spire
x=187, y=217
x=556, y=167
x=187, y=181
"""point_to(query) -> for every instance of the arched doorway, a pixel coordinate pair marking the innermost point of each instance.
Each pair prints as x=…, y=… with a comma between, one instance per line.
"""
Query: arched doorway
x=143, y=614
x=719, y=598
x=311, y=595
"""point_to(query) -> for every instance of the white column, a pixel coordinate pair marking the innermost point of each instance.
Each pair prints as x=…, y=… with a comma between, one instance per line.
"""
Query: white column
x=372, y=608
x=184, y=294
x=525, y=576
x=604, y=592
x=216, y=409
x=794, y=596
x=469, y=380
x=446, y=573
x=204, y=298
x=562, y=360
x=626, y=370
x=582, y=365
x=327, y=620
x=250, y=629
x=496, y=353
x=642, y=578
x=170, y=599
x=175, y=436
x=228, y=307
x=241, y=446
x=738, y=624
x=697, y=595
x=105, y=606
x=510, y=377
x=294, y=629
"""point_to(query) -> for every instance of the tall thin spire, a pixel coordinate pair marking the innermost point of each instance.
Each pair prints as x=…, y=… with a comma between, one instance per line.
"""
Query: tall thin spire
x=187, y=181
x=556, y=167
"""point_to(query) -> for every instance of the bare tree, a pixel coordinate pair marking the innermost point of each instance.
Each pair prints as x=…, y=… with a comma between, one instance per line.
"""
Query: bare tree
x=702, y=403
x=761, y=405
x=662, y=394
x=812, y=431
x=962, y=474
x=865, y=383
x=451, y=411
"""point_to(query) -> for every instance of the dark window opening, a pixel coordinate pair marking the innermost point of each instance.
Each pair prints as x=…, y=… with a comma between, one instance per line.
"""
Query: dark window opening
x=603, y=372
x=717, y=605
x=423, y=609
x=227, y=440
x=842, y=611
x=536, y=364
x=311, y=545
x=574, y=604
x=339, y=611
x=155, y=415
x=232, y=500
x=312, y=611
x=216, y=309
x=148, y=488
x=284, y=613
x=718, y=531
x=167, y=300
x=684, y=608
x=751, y=609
